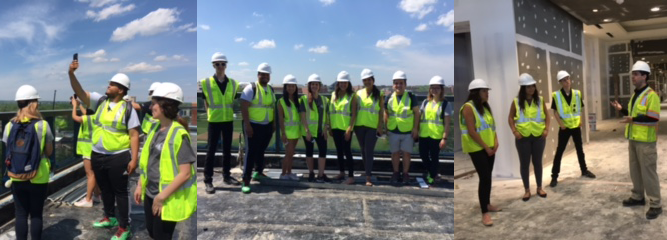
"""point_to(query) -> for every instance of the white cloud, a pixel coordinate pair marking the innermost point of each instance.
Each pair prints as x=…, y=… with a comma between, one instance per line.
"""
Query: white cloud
x=422, y=27
x=152, y=53
x=265, y=44
x=98, y=3
x=107, y=12
x=100, y=59
x=186, y=27
x=298, y=46
x=319, y=49
x=417, y=8
x=194, y=29
x=160, y=20
x=114, y=60
x=205, y=27
x=142, y=67
x=96, y=54
x=243, y=64
x=36, y=23
x=446, y=20
x=164, y=58
x=239, y=39
x=255, y=14
x=396, y=41
x=327, y=2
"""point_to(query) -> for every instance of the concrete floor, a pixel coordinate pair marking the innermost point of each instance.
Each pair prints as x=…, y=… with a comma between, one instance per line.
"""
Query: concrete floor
x=577, y=208
x=273, y=212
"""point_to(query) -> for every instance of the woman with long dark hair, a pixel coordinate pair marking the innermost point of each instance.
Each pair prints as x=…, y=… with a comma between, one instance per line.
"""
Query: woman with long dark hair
x=29, y=188
x=313, y=108
x=479, y=140
x=528, y=119
x=289, y=124
x=369, y=125
x=167, y=184
x=343, y=114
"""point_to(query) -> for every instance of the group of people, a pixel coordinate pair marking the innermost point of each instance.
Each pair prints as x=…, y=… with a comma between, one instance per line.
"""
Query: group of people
x=108, y=141
x=529, y=121
x=314, y=117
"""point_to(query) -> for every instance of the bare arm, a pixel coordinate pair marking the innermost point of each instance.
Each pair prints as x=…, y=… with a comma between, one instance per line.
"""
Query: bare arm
x=76, y=86
x=281, y=119
x=547, y=119
x=353, y=120
x=75, y=117
x=510, y=118
x=381, y=114
x=448, y=119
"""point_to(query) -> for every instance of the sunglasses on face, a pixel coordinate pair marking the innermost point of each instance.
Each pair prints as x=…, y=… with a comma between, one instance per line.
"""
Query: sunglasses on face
x=220, y=64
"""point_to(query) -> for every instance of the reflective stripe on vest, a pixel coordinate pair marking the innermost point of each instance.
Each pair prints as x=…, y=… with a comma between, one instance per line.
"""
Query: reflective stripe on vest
x=340, y=112
x=111, y=131
x=291, y=119
x=400, y=113
x=44, y=168
x=148, y=123
x=220, y=106
x=530, y=126
x=312, y=116
x=643, y=131
x=261, y=111
x=431, y=125
x=368, y=109
x=84, y=143
x=485, y=130
x=571, y=119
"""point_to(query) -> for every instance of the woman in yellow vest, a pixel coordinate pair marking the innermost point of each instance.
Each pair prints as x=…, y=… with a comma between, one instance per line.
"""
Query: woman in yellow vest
x=343, y=114
x=369, y=125
x=29, y=195
x=435, y=117
x=167, y=184
x=289, y=124
x=479, y=140
x=84, y=147
x=528, y=119
x=313, y=109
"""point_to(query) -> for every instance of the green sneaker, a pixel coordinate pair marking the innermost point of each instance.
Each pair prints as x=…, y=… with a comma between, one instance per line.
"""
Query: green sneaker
x=429, y=179
x=259, y=176
x=121, y=234
x=245, y=189
x=106, y=223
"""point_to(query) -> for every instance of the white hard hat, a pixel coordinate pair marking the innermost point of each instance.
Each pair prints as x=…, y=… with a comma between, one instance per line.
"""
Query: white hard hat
x=26, y=92
x=121, y=79
x=477, y=84
x=436, y=80
x=314, y=78
x=264, y=68
x=343, y=76
x=399, y=75
x=170, y=91
x=289, y=79
x=366, y=73
x=526, y=80
x=154, y=86
x=562, y=74
x=641, y=66
x=218, y=57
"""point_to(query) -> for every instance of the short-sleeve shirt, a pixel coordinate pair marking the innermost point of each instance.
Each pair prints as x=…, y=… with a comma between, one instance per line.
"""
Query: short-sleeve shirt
x=186, y=155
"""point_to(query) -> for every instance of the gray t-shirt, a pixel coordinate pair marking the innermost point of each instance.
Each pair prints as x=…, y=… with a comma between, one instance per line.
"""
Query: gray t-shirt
x=320, y=109
x=185, y=155
x=133, y=123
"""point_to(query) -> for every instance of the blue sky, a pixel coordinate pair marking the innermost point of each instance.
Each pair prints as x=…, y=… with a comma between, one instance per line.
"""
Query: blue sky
x=148, y=40
x=327, y=36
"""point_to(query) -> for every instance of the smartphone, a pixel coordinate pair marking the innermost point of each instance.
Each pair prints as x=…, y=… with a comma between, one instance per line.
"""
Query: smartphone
x=76, y=57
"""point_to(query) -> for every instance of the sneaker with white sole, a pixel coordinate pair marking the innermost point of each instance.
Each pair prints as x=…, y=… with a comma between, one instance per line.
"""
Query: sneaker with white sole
x=294, y=177
x=84, y=203
x=285, y=177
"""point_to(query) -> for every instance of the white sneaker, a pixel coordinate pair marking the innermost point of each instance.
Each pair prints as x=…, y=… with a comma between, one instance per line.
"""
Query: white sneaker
x=83, y=203
x=285, y=177
x=294, y=177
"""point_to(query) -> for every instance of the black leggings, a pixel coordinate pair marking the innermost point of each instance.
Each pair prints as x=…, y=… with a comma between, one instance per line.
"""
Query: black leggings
x=321, y=147
x=215, y=131
x=530, y=148
x=157, y=228
x=343, y=151
x=367, y=138
x=28, y=201
x=484, y=166
x=111, y=175
x=429, y=150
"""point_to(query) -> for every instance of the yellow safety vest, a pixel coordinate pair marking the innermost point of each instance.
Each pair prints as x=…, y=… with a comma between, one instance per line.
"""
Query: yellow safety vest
x=530, y=121
x=485, y=126
x=109, y=128
x=647, y=103
x=369, y=110
x=220, y=107
x=148, y=123
x=44, y=169
x=261, y=107
x=431, y=125
x=181, y=204
x=312, y=116
x=340, y=112
x=400, y=113
x=84, y=142
x=569, y=113
x=291, y=119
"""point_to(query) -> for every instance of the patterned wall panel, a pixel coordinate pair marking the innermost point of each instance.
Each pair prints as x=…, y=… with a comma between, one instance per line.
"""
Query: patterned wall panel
x=618, y=48
x=533, y=60
x=545, y=22
x=619, y=63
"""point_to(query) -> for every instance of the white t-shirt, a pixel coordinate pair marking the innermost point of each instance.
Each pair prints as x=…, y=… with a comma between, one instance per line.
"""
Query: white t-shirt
x=133, y=123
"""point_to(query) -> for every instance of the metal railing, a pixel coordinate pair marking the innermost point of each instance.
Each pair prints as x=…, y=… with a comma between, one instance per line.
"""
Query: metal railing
x=276, y=147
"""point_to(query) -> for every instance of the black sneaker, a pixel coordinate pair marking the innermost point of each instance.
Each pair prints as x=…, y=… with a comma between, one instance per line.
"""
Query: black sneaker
x=323, y=179
x=394, y=178
x=311, y=177
x=209, y=188
x=229, y=180
x=633, y=202
x=406, y=178
x=554, y=182
x=653, y=213
x=588, y=174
